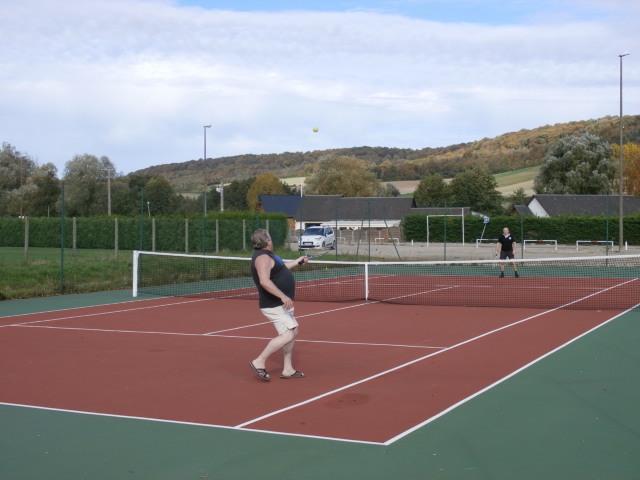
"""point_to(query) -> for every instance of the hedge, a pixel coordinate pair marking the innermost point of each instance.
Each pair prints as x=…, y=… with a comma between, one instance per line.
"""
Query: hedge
x=564, y=229
x=136, y=232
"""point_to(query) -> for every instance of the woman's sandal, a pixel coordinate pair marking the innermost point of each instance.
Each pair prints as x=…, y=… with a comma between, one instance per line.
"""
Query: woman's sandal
x=296, y=374
x=261, y=373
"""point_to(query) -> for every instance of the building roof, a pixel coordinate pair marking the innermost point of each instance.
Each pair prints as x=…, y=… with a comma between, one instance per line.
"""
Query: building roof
x=441, y=210
x=324, y=208
x=286, y=204
x=523, y=210
x=585, y=204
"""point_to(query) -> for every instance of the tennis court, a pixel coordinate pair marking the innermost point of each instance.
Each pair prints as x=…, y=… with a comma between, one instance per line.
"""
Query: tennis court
x=388, y=349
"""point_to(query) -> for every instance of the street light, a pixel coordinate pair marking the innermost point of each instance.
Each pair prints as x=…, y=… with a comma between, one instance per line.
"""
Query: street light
x=149, y=208
x=621, y=178
x=204, y=131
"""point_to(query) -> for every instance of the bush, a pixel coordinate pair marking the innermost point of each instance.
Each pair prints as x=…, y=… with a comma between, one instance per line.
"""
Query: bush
x=135, y=233
x=564, y=229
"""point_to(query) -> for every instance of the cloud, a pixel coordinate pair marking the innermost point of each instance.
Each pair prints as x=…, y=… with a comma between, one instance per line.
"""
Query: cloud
x=136, y=80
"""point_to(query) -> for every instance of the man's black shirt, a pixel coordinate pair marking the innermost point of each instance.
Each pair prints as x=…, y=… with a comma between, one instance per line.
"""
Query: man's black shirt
x=280, y=275
x=506, y=242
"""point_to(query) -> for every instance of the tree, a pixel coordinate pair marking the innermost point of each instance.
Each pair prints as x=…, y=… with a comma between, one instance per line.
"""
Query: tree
x=388, y=190
x=476, y=188
x=15, y=167
x=15, y=170
x=631, y=166
x=44, y=199
x=266, y=183
x=432, y=191
x=578, y=164
x=346, y=176
x=235, y=194
x=518, y=197
x=160, y=196
x=85, y=178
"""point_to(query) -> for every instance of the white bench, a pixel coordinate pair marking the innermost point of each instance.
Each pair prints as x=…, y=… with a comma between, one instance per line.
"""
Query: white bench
x=480, y=241
x=541, y=242
x=593, y=242
x=390, y=240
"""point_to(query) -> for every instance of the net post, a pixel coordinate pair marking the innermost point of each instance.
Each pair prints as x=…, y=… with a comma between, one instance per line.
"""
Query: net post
x=136, y=255
x=244, y=234
x=366, y=281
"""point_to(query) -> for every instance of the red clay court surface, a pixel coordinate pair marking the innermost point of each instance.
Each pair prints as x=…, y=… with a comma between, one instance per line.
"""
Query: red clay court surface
x=375, y=371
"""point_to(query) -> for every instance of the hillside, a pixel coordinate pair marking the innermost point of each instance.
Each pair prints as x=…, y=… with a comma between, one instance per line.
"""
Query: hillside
x=507, y=152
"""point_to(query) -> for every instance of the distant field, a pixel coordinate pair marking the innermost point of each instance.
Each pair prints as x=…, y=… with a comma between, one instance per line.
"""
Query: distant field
x=508, y=182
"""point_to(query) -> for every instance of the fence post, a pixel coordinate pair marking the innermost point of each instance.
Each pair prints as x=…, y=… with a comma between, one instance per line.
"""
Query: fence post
x=427, y=231
x=186, y=235
x=74, y=231
x=153, y=234
x=244, y=234
x=462, y=214
x=26, y=238
x=115, y=236
x=217, y=235
x=267, y=224
x=62, y=237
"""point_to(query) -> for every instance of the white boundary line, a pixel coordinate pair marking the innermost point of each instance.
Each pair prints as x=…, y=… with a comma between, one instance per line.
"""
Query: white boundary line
x=420, y=359
x=85, y=306
x=240, y=337
x=195, y=424
x=503, y=379
x=97, y=314
x=364, y=304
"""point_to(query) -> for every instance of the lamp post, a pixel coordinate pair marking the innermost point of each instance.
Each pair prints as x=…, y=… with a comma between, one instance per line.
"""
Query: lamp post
x=621, y=178
x=204, y=131
x=148, y=208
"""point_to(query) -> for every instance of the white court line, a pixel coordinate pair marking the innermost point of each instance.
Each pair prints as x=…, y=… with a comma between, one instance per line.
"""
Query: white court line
x=331, y=342
x=240, y=337
x=97, y=314
x=195, y=424
x=493, y=286
x=86, y=306
x=424, y=357
x=503, y=379
x=334, y=309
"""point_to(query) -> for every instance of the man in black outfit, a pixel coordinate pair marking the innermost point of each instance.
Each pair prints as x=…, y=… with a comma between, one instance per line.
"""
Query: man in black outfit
x=276, y=291
x=505, y=248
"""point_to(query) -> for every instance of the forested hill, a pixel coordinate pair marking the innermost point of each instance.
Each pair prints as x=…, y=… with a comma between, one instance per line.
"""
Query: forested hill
x=503, y=153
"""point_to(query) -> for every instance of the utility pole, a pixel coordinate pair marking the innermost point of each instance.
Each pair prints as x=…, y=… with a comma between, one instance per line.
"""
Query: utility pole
x=109, y=170
x=220, y=190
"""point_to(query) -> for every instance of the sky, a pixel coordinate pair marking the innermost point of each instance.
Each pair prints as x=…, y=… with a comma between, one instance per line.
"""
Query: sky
x=136, y=80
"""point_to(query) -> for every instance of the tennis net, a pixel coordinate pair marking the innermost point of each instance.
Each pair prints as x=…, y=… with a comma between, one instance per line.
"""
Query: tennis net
x=611, y=282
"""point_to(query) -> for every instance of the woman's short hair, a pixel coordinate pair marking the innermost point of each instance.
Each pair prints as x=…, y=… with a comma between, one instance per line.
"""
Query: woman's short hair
x=260, y=238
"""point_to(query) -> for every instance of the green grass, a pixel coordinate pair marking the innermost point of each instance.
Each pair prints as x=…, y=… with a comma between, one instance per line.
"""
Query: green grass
x=520, y=175
x=38, y=275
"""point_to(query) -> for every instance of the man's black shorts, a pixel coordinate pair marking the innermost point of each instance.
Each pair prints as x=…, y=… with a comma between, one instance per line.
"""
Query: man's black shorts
x=504, y=255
